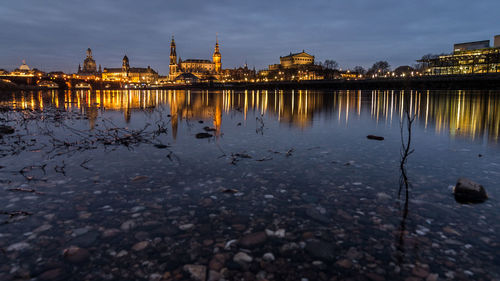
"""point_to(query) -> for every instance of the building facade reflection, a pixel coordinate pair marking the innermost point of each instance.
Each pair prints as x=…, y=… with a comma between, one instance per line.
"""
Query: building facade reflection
x=464, y=114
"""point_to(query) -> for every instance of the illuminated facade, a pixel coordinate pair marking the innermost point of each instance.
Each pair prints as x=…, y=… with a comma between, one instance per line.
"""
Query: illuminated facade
x=467, y=58
x=130, y=74
x=89, y=65
x=293, y=61
x=203, y=69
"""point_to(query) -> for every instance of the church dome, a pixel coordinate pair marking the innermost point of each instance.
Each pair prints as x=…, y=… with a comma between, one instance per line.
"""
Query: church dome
x=24, y=66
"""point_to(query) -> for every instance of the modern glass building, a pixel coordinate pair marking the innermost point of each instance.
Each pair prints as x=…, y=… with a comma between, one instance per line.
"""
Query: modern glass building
x=467, y=58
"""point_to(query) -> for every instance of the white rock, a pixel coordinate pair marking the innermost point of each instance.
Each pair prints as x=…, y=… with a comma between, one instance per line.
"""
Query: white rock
x=42, y=228
x=242, y=257
x=268, y=257
x=128, y=225
x=186, y=226
x=280, y=233
x=140, y=246
x=18, y=246
x=122, y=253
x=197, y=272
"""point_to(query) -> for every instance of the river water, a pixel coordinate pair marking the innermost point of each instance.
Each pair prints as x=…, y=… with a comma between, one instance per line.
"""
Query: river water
x=247, y=185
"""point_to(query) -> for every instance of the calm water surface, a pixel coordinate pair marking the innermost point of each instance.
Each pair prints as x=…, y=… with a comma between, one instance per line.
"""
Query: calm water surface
x=117, y=186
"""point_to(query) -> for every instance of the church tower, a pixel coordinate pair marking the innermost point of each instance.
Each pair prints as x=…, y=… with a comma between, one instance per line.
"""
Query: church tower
x=125, y=65
x=217, y=57
x=173, y=60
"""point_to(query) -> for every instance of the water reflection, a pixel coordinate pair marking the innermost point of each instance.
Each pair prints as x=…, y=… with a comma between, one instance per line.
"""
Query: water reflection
x=466, y=114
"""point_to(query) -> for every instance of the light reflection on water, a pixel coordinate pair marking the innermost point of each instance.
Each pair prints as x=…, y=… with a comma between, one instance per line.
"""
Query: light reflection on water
x=464, y=114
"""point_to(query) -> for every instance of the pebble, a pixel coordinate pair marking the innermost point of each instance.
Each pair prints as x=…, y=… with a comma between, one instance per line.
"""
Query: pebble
x=122, y=253
x=75, y=254
x=42, y=228
x=320, y=250
x=242, y=258
x=21, y=246
x=345, y=263
x=185, y=227
x=51, y=274
x=140, y=246
x=252, y=240
x=268, y=257
x=128, y=225
x=197, y=272
x=110, y=232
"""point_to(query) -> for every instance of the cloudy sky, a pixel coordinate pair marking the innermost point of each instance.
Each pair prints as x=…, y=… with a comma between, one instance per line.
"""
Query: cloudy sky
x=53, y=35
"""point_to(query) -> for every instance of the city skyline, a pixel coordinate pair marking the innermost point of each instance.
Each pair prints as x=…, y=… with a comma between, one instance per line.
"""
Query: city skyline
x=54, y=36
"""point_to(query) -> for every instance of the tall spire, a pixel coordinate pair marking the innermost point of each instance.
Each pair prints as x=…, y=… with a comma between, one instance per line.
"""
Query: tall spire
x=217, y=58
x=173, y=69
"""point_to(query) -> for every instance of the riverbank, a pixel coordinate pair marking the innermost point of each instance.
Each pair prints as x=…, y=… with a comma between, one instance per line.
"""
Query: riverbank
x=444, y=82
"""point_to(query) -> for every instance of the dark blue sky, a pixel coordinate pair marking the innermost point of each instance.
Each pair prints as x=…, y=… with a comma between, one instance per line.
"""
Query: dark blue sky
x=53, y=35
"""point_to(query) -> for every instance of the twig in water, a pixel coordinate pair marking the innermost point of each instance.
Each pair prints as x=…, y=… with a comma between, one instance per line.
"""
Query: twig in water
x=83, y=164
x=25, y=190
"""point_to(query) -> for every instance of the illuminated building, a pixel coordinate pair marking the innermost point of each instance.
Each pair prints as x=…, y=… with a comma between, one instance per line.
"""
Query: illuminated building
x=467, y=58
x=129, y=74
x=294, y=60
x=201, y=68
x=240, y=74
x=89, y=66
x=25, y=70
x=298, y=66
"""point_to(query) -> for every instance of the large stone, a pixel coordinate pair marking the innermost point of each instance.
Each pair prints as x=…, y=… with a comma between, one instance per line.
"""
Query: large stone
x=467, y=191
x=253, y=240
x=197, y=272
x=320, y=250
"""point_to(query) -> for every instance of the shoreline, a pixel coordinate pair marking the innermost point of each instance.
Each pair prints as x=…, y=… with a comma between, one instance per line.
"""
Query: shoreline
x=448, y=82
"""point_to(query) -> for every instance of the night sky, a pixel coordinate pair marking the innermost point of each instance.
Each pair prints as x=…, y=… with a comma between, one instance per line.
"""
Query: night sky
x=53, y=35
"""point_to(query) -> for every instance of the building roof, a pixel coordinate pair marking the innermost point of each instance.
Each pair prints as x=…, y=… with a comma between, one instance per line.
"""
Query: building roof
x=186, y=75
x=131, y=70
x=197, y=61
x=303, y=53
x=24, y=66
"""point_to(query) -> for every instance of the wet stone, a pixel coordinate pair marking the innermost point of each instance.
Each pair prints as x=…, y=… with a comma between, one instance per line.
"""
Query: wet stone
x=110, y=232
x=317, y=216
x=187, y=226
x=75, y=254
x=85, y=240
x=21, y=246
x=242, y=258
x=345, y=263
x=320, y=250
x=140, y=246
x=128, y=225
x=51, y=274
x=197, y=272
x=467, y=191
x=253, y=240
